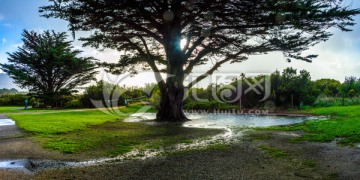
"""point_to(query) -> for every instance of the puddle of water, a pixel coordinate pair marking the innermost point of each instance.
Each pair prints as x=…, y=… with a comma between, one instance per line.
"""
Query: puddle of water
x=226, y=120
x=357, y=145
x=25, y=165
x=6, y=122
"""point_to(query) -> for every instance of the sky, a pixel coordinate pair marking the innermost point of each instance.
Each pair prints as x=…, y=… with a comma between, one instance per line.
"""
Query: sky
x=338, y=57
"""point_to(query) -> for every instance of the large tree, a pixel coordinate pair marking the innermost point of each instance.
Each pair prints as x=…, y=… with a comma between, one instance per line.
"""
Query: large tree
x=221, y=31
x=47, y=66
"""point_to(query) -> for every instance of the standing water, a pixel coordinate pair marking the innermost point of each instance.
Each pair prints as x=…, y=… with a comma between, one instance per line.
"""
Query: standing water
x=226, y=120
x=6, y=122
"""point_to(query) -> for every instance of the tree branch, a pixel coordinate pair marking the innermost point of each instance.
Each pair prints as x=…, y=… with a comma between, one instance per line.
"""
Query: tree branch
x=213, y=69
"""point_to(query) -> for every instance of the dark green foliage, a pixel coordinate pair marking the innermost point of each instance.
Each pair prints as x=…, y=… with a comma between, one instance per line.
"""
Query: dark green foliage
x=216, y=31
x=112, y=95
x=210, y=105
x=47, y=66
x=105, y=92
x=327, y=87
x=12, y=99
x=137, y=22
x=348, y=88
x=74, y=102
x=155, y=97
x=195, y=94
x=296, y=89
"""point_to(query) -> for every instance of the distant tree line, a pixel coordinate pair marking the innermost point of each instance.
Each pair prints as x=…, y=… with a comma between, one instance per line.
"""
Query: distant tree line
x=289, y=89
x=8, y=91
x=112, y=94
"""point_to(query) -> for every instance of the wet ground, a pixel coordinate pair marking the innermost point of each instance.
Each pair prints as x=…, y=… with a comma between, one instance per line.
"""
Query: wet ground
x=222, y=121
x=241, y=159
x=6, y=122
x=8, y=128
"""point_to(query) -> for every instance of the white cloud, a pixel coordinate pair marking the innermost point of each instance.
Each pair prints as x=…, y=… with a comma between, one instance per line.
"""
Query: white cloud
x=3, y=57
x=8, y=25
x=3, y=41
x=15, y=46
x=37, y=30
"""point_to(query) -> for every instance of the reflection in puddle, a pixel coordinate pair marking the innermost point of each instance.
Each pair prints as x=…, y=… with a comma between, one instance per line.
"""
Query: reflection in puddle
x=226, y=120
x=6, y=122
x=17, y=164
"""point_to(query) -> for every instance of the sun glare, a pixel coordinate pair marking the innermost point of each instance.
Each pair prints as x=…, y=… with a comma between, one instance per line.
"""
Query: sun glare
x=183, y=43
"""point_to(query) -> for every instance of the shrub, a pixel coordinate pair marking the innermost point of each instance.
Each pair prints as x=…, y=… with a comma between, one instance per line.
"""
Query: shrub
x=105, y=92
x=209, y=105
x=155, y=97
x=12, y=99
x=73, y=104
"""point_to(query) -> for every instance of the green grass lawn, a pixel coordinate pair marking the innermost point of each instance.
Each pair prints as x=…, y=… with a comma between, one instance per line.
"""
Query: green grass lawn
x=20, y=109
x=344, y=123
x=94, y=133
x=10, y=109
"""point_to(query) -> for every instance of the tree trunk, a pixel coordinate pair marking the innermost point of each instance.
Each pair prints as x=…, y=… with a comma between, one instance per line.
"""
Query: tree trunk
x=172, y=91
x=171, y=102
x=171, y=106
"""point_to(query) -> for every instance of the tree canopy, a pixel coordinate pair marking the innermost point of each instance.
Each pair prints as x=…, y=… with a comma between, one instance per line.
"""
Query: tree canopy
x=47, y=66
x=218, y=31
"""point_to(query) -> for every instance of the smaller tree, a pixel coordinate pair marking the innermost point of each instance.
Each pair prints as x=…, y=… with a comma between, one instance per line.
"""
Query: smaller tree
x=47, y=65
x=357, y=86
x=296, y=89
x=105, y=93
x=327, y=87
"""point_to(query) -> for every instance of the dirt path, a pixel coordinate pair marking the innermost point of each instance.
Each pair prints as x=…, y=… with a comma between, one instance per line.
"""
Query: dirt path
x=16, y=144
x=9, y=131
x=242, y=160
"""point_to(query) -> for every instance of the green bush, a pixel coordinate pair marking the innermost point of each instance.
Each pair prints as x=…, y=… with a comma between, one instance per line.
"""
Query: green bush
x=209, y=105
x=336, y=101
x=105, y=92
x=155, y=97
x=73, y=104
x=12, y=99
